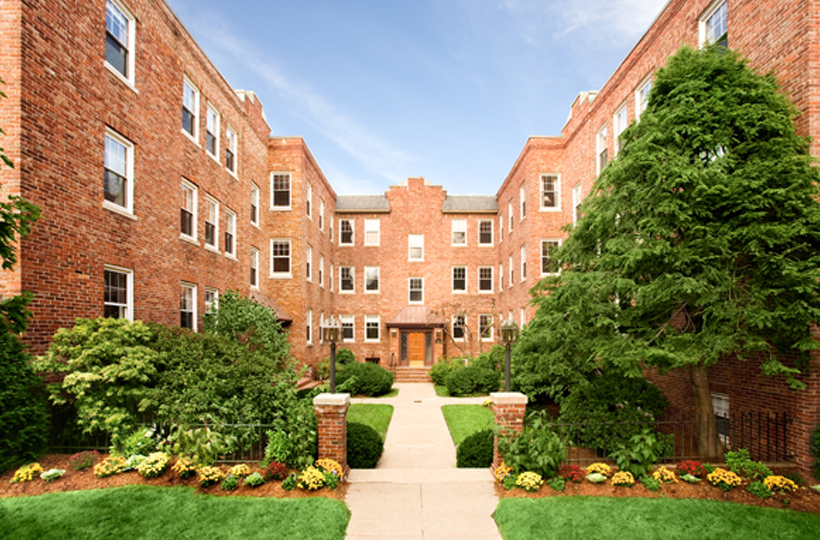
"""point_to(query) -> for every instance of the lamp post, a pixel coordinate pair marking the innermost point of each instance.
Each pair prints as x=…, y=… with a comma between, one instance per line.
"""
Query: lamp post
x=332, y=333
x=509, y=335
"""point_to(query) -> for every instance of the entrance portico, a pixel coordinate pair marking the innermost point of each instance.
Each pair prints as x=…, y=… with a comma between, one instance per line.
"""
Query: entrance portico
x=416, y=338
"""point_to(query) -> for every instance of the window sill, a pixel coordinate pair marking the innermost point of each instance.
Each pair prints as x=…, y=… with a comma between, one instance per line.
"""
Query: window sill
x=213, y=249
x=485, y=245
x=458, y=245
x=119, y=210
x=280, y=208
x=254, y=287
x=372, y=245
x=460, y=292
x=372, y=341
x=214, y=157
x=127, y=82
x=281, y=276
x=190, y=137
x=190, y=240
x=549, y=209
x=232, y=174
x=346, y=245
x=255, y=224
x=485, y=292
x=231, y=257
x=347, y=292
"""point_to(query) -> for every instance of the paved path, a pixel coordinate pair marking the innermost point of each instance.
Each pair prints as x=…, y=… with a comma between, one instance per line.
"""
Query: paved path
x=416, y=491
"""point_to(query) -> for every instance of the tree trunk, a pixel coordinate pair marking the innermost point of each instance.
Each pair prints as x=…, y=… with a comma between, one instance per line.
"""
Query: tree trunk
x=708, y=441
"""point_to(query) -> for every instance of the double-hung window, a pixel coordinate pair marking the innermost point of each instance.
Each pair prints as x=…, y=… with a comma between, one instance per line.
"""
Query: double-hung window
x=642, y=96
x=230, y=233
x=523, y=262
x=230, y=150
x=458, y=327
x=321, y=271
x=485, y=327
x=416, y=290
x=415, y=244
x=485, y=232
x=188, y=211
x=254, y=268
x=372, y=232
x=119, y=40
x=510, y=215
x=280, y=257
x=309, y=263
x=512, y=273
x=118, y=293
x=309, y=327
x=576, y=203
x=619, y=124
x=211, y=300
x=522, y=195
x=601, y=150
x=212, y=120
x=485, y=279
x=713, y=27
x=550, y=192
x=345, y=232
x=348, y=333
x=280, y=191
x=459, y=279
x=371, y=279
x=321, y=214
x=190, y=109
x=309, y=201
x=372, y=324
x=187, y=306
x=459, y=232
x=119, y=172
x=211, y=223
x=346, y=279
x=254, y=205
x=549, y=264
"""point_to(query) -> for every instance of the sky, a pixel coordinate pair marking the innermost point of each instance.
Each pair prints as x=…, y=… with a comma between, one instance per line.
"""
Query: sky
x=384, y=90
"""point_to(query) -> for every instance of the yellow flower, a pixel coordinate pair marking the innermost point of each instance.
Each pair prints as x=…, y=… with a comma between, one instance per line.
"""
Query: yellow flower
x=26, y=473
x=600, y=468
x=502, y=471
x=780, y=483
x=623, y=478
x=529, y=481
x=311, y=479
x=241, y=470
x=665, y=476
x=330, y=466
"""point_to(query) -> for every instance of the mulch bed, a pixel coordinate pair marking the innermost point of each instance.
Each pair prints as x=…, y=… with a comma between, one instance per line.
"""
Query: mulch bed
x=85, y=479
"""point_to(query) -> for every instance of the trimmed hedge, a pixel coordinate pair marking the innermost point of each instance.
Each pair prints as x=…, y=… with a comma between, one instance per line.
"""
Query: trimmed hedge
x=364, y=446
x=471, y=380
x=443, y=367
x=371, y=379
x=476, y=451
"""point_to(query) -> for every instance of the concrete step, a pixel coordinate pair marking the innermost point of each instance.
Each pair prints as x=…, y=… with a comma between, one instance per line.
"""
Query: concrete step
x=412, y=374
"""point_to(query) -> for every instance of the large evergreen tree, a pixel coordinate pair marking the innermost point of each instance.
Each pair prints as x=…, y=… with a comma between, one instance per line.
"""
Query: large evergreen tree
x=699, y=241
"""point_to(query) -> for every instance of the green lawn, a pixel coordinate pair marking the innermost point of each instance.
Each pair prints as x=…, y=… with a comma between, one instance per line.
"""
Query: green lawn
x=150, y=513
x=605, y=518
x=464, y=420
x=376, y=416
x=441, y=391
x=392, y=393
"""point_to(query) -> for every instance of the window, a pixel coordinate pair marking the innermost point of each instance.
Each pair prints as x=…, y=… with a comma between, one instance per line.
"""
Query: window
x=459, y=279
x=512, y=273
x=642, y=97
x=119, y=172
x=371, y=327
x=416, y=247
x=458, y=327
x=254, y=267
x=500, y=227
x=485, y=232
x=550, y=192
x=119, y=40
x=549, y=265
x=523, y=262
x=371, y=279
x=601, y=150
x=280, y=191
x=321, y=271
x=188, y=211
x=372, y=232
x=713, y=26
x=522, y=196
x=330, y=277
x=345, y=232
x=485, y=327
x=254, y=205
x=416, y=289
x=346, y=279
x=308, y=262
x=619, y=124
x=212, y=132
x=211, y=223
x=211, y=300
x=230, y=233
x=331, y=229
x=510, y=212
x=459, y=232
x=485, y=279
x=576, y=203
x=523, y=318
x=190, y=109
x=720, y=405
x=230, y=150
x=309, y=201
x=347, y=327
x=187, y=306
x=500, y=276
x=309, y=327
x=321, y=214
x=280, y=257
x=118, y=293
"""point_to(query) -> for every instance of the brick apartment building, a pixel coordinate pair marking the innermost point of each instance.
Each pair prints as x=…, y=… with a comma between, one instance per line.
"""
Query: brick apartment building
x=160, y=186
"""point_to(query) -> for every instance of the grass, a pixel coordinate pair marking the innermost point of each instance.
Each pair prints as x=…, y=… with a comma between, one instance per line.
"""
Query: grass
x=374, y=415
x=464, y=420
x=147, y=512
x=605, y=518
x=392, y=393
x=441, y=391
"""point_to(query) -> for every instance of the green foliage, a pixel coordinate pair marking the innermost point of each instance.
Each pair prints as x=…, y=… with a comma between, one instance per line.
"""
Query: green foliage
x=444, y=367
x=364, y=446
x=278, y=448
x=537, y=448
x=471, y=380
x=464, y=420
x=640, y=452
x=374, y=415
x=493, y=359
x=230, y=483
x=154, y=465
x=759, y=489
x=557, y=483
x=83, y=460
x=202, y=444
x=290, y=482
x=740, y=462
x=254, y=480
x=476, y=451
x=143, y=441
x=344, y=356
x=651, y=483
x=371, y=379
x=814, y=448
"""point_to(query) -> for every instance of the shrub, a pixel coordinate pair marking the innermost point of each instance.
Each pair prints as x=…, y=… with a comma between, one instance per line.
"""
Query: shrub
x=279, y=447
x=83, y=460
x=623, y=478
x=694, y=468
x=741, y=463
x=509, y=482
x=110, y=466
x=154, y=465
x=240, y=470
x=725, y=480
x=557, y=483
x=52, y=474
x=640, y=452
x=814, y=448
x=493, y=360
x=651, y=483
x=184, y=467
x=476, y=451
x=444, y=367
x=529, y=481
x=275, y=471
x=364, y=446
x=290, y=482
x=230, y=483
x=254, y=480
x=143, y=441
x=573, y=473
x=331, y=479
x=210, y=475
x=26, y=473
x=759, y=489
x=203, y=444
x=471, y=380
x=537, y=448
x=600, y=468
x=311, y=479
x=780, y=484
x=665, y=476
x=371, y=379
x=344, y=356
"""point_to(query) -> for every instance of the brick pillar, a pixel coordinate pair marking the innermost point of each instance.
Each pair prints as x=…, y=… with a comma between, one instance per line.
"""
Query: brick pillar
x=331, y=415
x=806, y=414
x=509, y=409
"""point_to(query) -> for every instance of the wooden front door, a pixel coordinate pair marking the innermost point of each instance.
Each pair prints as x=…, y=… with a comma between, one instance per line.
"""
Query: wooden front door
x=415, y=348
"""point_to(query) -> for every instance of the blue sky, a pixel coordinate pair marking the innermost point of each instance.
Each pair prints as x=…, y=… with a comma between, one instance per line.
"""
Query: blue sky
x=382, y=90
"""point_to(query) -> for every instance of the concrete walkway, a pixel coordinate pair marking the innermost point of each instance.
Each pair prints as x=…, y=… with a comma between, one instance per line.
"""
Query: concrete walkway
x=416, y=491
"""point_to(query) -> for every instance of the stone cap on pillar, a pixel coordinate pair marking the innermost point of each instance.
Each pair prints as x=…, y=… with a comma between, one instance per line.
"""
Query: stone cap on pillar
x=508, y=398
x=331, y=400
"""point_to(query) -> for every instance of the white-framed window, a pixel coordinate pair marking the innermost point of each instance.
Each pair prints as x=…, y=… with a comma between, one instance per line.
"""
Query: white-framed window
x=280, y=191
x=372, y=279
x=485, y=327
x=280, y=257
x=459, y=236
x=524, y=262
x=190, y=109
x=254, y=268
x=188, y=210
x=372, y=232
x=187, y=306
x=512, y=273
x=576, y=203
x=642, y=96
x=550, y=192
x=120, y=40
x=459, y=279
x=230, y=233
x=523, y=317
x=619, y=124
x=308, y=263
x=211, y=300
x=458, y=327
x=346, y=237
x=713, y=26
x=309, y=327
x=522, y=197
x=230, y=150
x=510, y=215
x=372, y=325
x=500, y=227
x=119, y=172
x=720, y=405
x=347, y=279
x=330, y=278
x=415, y=243
x=212, y=120
x=255, y=205
x=415, y=286
x=485, y=279
x=321, y=271
x=118, y=293
x=500, y=277
x=332, y=219
x=211, y=223
x=309, y=201
x=601, y=150
x=485, y=232
x=549, y=264
x=348, y=327
x=321, y=214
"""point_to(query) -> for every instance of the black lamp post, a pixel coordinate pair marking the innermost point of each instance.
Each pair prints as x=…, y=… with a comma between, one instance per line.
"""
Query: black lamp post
x=509, y=335
x=332, y=333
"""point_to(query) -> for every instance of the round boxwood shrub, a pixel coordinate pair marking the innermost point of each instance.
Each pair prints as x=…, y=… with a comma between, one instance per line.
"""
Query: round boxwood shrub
x=371, y=379
x=472, y=380
x=443, y=367
x=476, y=451
x=364, y=446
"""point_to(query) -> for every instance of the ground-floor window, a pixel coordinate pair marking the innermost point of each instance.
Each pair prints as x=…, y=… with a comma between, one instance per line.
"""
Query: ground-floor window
x=118, y=293
x=187, y=306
